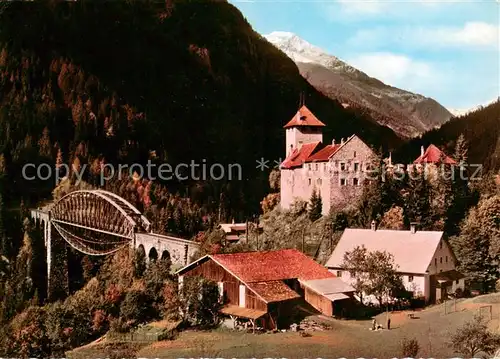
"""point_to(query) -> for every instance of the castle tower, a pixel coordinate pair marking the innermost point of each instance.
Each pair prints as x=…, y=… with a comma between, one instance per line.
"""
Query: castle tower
x=303, y=128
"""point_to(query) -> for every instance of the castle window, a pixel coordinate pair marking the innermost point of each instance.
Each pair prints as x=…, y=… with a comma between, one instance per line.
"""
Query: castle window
x=355, y=182
x=446, y=259
x=316, y=167
x=440, y=259
x=342, y=166
x=343, y=182
x=356, y=167
x=309, y=181
x=354, y=154
x=440, y=245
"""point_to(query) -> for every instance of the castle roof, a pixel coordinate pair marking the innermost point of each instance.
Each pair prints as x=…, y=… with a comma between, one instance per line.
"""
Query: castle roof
x=434, y=155
x=324, y=154
x=300, y=155
x=304, y=117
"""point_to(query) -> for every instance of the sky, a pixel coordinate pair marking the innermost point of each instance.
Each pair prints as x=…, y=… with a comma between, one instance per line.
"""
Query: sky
x=447, y=50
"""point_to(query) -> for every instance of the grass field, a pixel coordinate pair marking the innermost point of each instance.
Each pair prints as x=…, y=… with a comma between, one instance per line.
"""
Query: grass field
x=346, y=338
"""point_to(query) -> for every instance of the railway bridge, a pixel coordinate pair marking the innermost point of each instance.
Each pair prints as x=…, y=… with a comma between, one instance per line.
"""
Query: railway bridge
x=97, y=223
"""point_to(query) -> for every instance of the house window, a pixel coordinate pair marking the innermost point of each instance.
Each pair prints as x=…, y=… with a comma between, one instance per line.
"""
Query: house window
x=343, y=182
x=355, y=182
x=316, y=167
x=440, y=259
x=410, y=278
x=446, y=259
x=339, y=273
x=319, y=181
x=324, y=167
x=356, y=167
x=309, y=181
x=440, y=245
x=342, y=166
x=354, y=154
x=435, y=261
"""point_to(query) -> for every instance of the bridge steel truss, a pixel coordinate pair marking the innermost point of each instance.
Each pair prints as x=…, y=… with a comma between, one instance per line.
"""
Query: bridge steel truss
x=98, y=223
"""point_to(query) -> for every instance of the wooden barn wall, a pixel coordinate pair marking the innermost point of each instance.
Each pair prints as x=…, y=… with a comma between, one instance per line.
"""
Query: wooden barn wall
x=213, y=271
x=254, y=302
x=319, y=302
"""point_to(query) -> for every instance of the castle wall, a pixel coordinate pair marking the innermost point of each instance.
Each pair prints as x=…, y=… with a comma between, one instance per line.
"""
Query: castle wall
x=351, y=165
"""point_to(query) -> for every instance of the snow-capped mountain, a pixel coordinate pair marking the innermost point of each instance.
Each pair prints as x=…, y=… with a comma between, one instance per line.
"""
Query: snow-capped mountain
x=463, y=112
x=408, y=114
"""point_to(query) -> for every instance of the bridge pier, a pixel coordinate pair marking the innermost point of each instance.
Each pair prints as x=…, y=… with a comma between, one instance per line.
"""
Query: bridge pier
x=43, y=217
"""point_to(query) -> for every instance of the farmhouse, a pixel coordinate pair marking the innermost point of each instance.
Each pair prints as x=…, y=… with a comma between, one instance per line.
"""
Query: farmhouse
x=424, y=259
x=336, y=171
x=239, y=231
x=265, y=287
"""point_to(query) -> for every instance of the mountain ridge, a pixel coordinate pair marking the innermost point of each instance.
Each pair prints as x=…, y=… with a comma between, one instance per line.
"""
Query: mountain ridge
x=407, y=113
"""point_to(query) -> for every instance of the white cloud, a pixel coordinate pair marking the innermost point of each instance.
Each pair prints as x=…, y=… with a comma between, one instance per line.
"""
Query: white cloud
x=362, y=6
x=470, y=35
x=397, y=70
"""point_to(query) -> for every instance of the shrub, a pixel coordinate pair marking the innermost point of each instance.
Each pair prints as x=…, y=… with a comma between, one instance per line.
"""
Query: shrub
x=137, y=307
x=409, y=348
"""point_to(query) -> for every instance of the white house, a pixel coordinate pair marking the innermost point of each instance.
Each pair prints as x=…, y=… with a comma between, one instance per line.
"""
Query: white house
x=424, y=259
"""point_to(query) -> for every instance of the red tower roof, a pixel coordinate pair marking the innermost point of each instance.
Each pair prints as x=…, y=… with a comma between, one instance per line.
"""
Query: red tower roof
x=304, y=117
x=434, y=155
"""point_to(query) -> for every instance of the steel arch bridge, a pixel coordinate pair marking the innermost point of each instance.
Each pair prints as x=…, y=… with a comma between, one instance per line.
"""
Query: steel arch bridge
x=98, y=223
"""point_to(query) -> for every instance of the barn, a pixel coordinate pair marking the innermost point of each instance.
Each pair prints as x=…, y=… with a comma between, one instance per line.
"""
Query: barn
x=265, y=287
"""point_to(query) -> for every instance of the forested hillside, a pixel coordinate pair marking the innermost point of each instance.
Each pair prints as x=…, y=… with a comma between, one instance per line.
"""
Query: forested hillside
x=481, y=130
x=189, y=80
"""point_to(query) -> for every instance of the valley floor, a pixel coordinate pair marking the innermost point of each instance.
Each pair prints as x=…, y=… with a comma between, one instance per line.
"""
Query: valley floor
x=350, y=339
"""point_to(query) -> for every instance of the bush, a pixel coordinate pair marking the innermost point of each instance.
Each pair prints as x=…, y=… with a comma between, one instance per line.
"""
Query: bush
x=119, y=325
x=201, y=302
x=137, y=307
x=409, y=348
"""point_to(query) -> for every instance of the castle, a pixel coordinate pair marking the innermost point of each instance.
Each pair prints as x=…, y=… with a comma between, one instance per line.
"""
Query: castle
x=336, y=171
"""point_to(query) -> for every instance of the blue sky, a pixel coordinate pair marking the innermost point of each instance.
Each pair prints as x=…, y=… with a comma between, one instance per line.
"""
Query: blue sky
x=447, y=50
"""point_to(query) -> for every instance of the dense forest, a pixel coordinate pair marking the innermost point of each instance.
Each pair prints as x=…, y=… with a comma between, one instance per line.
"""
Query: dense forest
x=90, y=83
x=481, y=129
x=129, y=81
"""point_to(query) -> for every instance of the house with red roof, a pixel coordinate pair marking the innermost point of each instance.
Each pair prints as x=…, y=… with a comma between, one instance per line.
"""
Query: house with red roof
x=433, y=155
x=266, y=287
x=336, y=171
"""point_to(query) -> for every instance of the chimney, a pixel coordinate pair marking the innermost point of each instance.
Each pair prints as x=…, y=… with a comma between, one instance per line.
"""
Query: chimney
x=413, y=227
x=374, y=225
x=342, y=141
x=333, y=142
x=422, y=151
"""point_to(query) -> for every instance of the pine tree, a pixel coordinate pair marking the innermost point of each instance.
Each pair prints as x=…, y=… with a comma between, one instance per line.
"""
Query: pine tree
x=44, y=146
x=461, y=150
x=5, y=247
x=417, y=204
x=315, y=206
x=460, y=194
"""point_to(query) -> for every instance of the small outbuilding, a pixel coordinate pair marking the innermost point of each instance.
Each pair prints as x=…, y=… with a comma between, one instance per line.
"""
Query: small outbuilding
x=265, y=287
